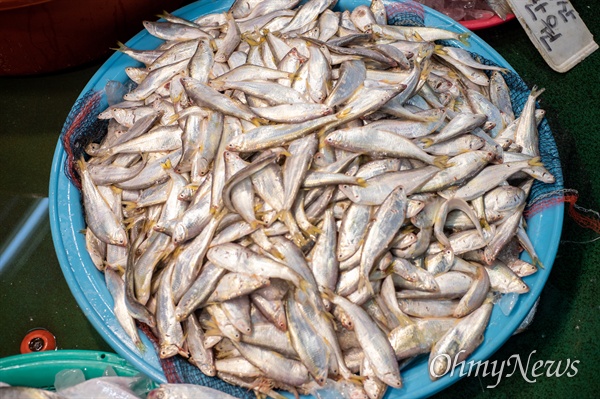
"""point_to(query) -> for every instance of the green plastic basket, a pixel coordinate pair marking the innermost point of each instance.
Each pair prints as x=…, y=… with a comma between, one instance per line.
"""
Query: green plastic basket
x=37, y=370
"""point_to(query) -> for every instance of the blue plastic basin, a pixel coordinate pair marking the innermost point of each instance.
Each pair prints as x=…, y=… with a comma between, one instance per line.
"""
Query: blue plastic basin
x=87, y=283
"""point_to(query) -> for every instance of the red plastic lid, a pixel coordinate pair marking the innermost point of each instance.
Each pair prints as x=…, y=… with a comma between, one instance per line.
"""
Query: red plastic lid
x=38, y=340
x=476, y=24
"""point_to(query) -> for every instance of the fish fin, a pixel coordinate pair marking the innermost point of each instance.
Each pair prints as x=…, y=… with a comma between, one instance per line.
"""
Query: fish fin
x=81, y=164
x=441, y=161
x=122, y=47
x=418, y=36
x=164, y=14
x=361, y=182
x=536, y=161
x=129, y=205
x=167, y=164
x=538, y=262
x=486, y=229
x=426, y=142
x=343, y=113
x=357, y=379
x=464, y=38
x=439, y=49
x=327, y=294
x=276, y=253
x=285, y=153
x=255, y=224
x=259, y=121
x=389, y=270
x=305, y=286
x=535, y=92
x=213, y=332
x=140, y=346
x=313, y=231
x=299, y=240
x=369, y=286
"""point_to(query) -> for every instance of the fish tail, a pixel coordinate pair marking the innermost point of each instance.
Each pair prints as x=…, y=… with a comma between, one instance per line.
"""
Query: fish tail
x=276, y=253
x=361, y=182
x=164, y=14
x=213, y=332
x=418, y=36
x=426, y=142
x=538, y=262
x=343, y=113
x=369, y=286
x=327, y=293
x=259, y=121
x=167, y=164
x=299, y=240
x=364, y=282
x=313, y=231
x=122, y=47
x=304, y=285
x=81, y=165
x=293, y=76
x=140, y=346
x=441, y=161
x=245, y=37
x=255, y=224
x=464, y=38
x=389, y=270
x=535, y=92
x=285, y=153
x=173, y=118
x=536, y=161
x=439, y=49
x=356, y=379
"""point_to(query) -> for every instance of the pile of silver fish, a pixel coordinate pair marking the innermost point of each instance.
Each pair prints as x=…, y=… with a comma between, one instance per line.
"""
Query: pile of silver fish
x=293, y=196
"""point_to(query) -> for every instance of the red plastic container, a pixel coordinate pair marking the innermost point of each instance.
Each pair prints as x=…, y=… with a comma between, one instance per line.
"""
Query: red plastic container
x=40, y=36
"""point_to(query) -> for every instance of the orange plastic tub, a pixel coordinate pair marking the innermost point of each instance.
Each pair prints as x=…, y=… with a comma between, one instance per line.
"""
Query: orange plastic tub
x=40, y=36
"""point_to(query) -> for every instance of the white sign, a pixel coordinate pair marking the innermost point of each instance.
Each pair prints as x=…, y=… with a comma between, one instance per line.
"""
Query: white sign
x=556, y=30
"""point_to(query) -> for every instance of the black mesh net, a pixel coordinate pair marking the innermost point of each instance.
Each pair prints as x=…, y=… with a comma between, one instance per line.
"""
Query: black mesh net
x=81, y=128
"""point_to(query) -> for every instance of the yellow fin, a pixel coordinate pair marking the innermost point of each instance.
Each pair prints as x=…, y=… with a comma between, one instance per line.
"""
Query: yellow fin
x=167, y=164
x=122, y=47
x=464, y=38
x=426, y=142
x=418, y=37
x=535, y=92
x=536, y=161
x=441, y=161
x=439, y=49
x=313, y=231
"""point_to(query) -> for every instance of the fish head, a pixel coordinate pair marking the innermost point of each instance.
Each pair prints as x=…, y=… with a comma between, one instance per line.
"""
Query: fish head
x=119, y=238
x=179, y=233
x=208, y=369
x=168, y=350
